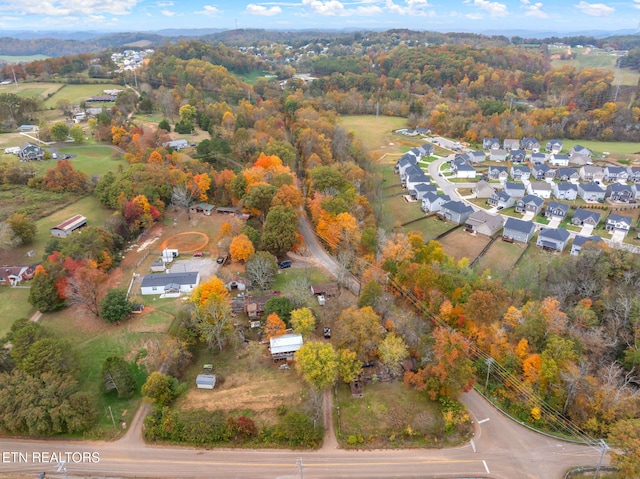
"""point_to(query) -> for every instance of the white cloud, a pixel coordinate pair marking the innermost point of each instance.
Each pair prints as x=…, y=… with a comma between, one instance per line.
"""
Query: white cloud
x=369, y=10
x=209, y=11
x=494, y=9
x=165, y=4
x=167, y=13
x=533, y=10
x=595, y=9
x=64, y=8
x=328, y=8
x=412, y=7
x=253, y=9
x=636, y=3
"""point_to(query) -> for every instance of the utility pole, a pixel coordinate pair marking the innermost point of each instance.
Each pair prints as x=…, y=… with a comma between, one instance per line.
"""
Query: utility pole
x=605, y=448
x=486, y=383
x=112, y=420
x=15, y=80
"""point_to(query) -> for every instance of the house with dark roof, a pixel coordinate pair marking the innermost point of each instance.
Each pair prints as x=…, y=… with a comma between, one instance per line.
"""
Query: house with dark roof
x=517, y=156
x=583, y=217
x=530, y=144
x=553, y=239
x=432, y=202
x=591, y=192
x=635, y=187
x=615, y=173
x=482, y=189
x=529, y=204
x=420, y=190
x=540, y=188
x=617, y=222
x=565, y=191
x=30, y=152
x=498, y=173
x=169, y=283
x=462, y=169
x=517, y=190
x=543, y=172
x=414, y=179
x=501, y=199
x=456, y=211
x=476, y=156
x=634, y=174
x=580, y=241
x=410, y=170
x=520, y=172
x=556, y=210
x=567, y=174
x=511, y=144
x=558, y=159
x=592, y=173
x=580, y=151
x=497, y=154
x=68, y=226
x=554, y=146
x=490, y=144
x=518, y=230
x=14, y=275
x=176, y=144
x=619, y=192
x=405, y=162
x=483, y=223
x=538, y=158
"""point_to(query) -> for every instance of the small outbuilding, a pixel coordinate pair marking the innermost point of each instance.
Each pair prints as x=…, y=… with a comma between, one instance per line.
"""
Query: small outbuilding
x=325, y=289
x=285, y=346
x=67, y=227
x=206, y=381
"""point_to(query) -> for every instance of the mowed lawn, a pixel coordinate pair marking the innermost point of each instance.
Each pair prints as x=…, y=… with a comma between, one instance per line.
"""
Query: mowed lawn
x=79, y=93
x=430, y=228
x=396, y=211
x=14, y=305
x=32, y=90
x=500, y=258
x=461, y=244
x=597, y=147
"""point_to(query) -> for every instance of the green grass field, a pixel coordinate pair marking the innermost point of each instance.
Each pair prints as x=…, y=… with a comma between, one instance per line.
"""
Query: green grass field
x=597, y=147
x=251, y=77
x=585, y=58
x=78, y=93
x=376, y=133
x=21, y=58
x=500, y=258
x=13, y=305
x=28, y=89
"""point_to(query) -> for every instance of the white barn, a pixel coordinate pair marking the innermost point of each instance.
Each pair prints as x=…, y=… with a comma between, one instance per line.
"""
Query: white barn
x=169, y=283
x=285, y=346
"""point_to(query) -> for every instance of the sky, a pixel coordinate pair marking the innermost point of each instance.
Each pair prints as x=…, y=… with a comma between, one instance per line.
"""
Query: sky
x=563, y=16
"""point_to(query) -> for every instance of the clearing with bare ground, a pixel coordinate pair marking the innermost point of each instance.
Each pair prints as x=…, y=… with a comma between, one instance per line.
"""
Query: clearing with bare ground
x=461, y=244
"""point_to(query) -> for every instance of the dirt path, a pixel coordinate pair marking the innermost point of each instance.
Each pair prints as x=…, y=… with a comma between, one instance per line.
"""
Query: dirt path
x=330, y=443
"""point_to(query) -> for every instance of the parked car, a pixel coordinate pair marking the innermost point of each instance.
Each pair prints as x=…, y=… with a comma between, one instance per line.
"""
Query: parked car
x=197, y=254
x=285, y=264
x=222, y=259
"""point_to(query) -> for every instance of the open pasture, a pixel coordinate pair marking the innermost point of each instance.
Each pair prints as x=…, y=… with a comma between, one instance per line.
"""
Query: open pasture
x=79, y=93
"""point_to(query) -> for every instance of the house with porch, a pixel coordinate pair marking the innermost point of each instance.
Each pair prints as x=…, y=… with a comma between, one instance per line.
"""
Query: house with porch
x=634, y=174
x=554, y=146
x=517, y=190
x=530, y=144
x=30, y=152
x=583, y=217
x=619, y=192
x=490, y=144
x=498, y=173
x=616, y=222
x=518, y=230
x=530, y=204
x=414, y=179
x=552, y=239
x=543, y=172
x=456, y=211
x=592, y=173
x=501, y=200
x=580, y=241
x=420, y=190
x=591, y=192
x=540, y=188
x=411, y=170
x=615, y=173
x=558, y=159
x=14, y=275
x=517, y=156
x=555, y=210
x=538, y=158
x=432, y=202
x=483, y=223
x=520, y=172
x=567, y=174
x=565, y=191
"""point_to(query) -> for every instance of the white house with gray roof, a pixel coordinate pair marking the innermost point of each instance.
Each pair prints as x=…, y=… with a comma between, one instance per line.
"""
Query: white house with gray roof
x=619, y=192
x=456, y=211
x=490, y=143
x=511, y=144
x=553, y=239
x=615, y=173
x=484, y=223
x=530, y=203
x=497, y=154
x=554, y=146
x=565, y=191
x=557, y=159
x=583, y=217
x=617, y=222
x=520, y=172
x=538, y=158
x=592, y=173
x=518, y=230
x=540, y=188
x=517, y=190
x=420, y=190
x=591, y=192
x=169, y=283
x=432, y=202
x=580, y=241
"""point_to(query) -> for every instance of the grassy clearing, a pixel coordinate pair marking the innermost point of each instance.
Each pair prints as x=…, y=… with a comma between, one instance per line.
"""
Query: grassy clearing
x=597, y=147
x=460, y=244
x=376, y=133
x=429, y=227
x=500, y=258
x=27, y=90
x=285, y=276
x=21, y=58
x=79, y=93
x=390, y=415
x=35, y=203
x=251, y=77
x=590, y=58
x=13, y=305
x=396, y=211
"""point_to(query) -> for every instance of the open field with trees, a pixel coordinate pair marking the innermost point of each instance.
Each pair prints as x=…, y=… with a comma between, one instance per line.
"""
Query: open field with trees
x=79, y=93
x=39, y=90
x=14, y=304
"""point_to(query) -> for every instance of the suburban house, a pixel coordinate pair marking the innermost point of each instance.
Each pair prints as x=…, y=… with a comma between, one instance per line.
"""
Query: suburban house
x=567, y=174
x=476, y=156
x=540, y=188
x=511, y=144
x=591, y=192
x=517, y=156
x=634, y=174
x=254, y=305
x=497, y=154
x=30, y=152
x=417, y=192
x=618, y=223
x=530, y=144
x=636, y=190
x=498, y=173
x=456, y=211
x=553, y=239
x=482, y=189
x=543, y=172
x=67, y=227
x=490, y=144
x=176, y=144
x=13, y=275
x=284, y=347
x=554, y=146
x=615, y=173
x=421, y=151
x=206, y=381
x=538, y=158
x=501, y=199
x=518, y=230
x=557, y=159
x=415, y=178
x=580, y=241
x=462, y=169
x=410, y=170
x=579, y=151
x=556, y=210
x=405, y=162
x=565, y=191
x=619, y=192
x=170, y=283
x=530, y=203
x=592, y=173
x=516, y=190
x=583, y=217
x=433, y=202
x=483, y=223
x=520, y=172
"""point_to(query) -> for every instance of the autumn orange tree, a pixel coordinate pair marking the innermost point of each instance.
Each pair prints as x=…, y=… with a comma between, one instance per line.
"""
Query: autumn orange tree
x=241, y=248
x=274, y=326
x=212, y=314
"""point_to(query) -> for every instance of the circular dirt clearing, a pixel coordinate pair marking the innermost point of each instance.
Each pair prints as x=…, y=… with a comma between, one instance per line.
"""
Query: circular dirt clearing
x=188, y=242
